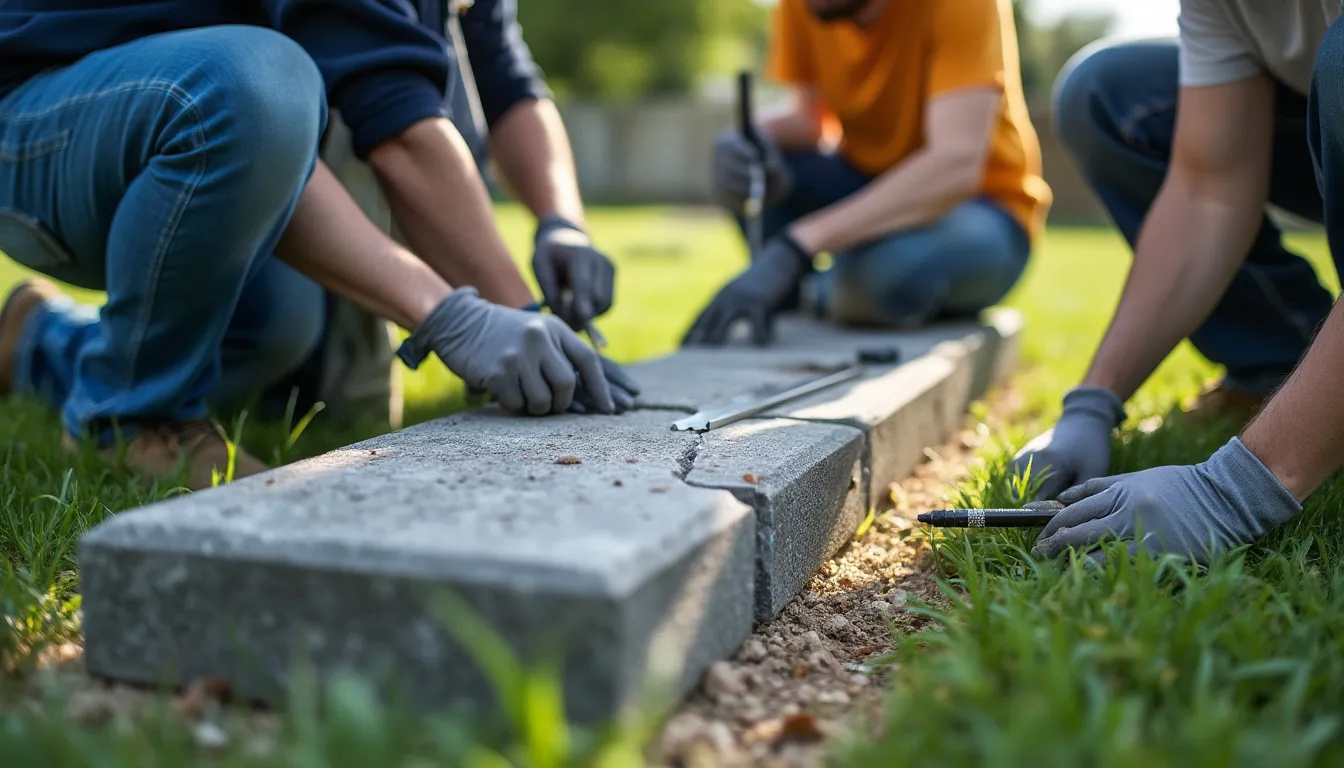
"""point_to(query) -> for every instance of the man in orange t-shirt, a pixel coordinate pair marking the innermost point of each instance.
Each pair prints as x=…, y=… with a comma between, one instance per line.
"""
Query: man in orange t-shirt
x=931, y=200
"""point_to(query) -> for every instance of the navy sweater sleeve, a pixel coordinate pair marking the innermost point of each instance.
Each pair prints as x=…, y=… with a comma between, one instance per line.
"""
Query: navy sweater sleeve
x=501, y=62
x=383, y=69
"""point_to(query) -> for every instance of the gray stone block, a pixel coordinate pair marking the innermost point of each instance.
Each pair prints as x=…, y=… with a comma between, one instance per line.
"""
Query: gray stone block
x=805, y=482
x=642, y=579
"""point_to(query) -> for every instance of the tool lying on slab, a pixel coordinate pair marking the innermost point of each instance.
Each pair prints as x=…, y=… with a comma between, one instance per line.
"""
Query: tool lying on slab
x=757, y=401
x=756, y=171
x=1036, y=514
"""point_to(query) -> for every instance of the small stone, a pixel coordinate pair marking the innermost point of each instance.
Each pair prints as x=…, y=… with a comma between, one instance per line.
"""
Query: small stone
x=898, y=598
x=750, y=478
x=632, y=461
x=881, y=607
x=722, y=680
x=208, y=735
x=719, y=735
x=569, y=460
x=837, y=624
x=617, y=483
x=835, y=698
x=658, y=489
x=859, y=681
x=821, y=659
x=753, y=650
x=812, y=638
x=90, y=707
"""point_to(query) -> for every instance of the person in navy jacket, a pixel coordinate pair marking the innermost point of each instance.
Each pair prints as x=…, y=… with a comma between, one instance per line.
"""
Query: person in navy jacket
x=167, y=152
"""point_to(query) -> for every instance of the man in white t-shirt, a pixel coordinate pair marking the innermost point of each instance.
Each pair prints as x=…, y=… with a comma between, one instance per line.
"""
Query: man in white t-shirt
x=1259, y=89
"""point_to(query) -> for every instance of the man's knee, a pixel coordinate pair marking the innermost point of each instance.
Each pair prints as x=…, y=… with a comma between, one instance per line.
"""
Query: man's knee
x=288, y=333
x=257, y=88
x=1079, y=94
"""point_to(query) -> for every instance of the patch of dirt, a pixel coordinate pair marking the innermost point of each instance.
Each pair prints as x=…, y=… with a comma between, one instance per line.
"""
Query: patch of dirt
x=810, y=674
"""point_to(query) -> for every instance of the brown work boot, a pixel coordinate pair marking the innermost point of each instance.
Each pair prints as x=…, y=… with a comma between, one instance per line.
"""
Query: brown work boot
x=1221, y=403
x=26, y=297
x=161, y=452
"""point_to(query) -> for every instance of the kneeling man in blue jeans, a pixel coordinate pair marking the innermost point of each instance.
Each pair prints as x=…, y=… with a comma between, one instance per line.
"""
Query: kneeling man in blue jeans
x=931, y=198
x=167, y=153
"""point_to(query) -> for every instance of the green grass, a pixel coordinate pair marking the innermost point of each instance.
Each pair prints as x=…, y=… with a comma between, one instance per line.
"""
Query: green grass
x=1038, y=664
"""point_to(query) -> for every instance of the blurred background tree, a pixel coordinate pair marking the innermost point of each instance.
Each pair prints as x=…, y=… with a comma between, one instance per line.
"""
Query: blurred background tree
x=621, y=50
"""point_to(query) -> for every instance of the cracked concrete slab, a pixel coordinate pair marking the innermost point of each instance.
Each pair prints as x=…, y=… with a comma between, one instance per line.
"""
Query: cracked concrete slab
x=642, y=552
x=642, y=579
x=805, y=482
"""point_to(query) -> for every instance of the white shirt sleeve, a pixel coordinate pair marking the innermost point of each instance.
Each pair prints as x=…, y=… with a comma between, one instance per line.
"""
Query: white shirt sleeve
x=1213, y=51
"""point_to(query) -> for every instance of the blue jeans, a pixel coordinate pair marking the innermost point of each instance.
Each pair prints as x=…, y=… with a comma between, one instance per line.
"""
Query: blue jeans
x=953, y=267
x=162, y=171
x=1115, y=109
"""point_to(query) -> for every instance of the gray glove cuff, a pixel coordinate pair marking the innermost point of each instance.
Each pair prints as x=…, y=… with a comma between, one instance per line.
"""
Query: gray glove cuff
x=1253, y=489
x=1098, y=402
x=438, y=324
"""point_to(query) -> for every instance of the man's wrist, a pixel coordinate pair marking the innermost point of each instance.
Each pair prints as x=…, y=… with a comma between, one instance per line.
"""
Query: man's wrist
x=1099, y=402
x=809, y=235
x=548, y=224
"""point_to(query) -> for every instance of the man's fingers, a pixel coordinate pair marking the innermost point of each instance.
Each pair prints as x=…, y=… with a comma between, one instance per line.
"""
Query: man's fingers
x=604, y=291
x=582, y=283
x=618, y=376
x=761, y=331
x=589, y=367
x=537, y=347
x=548, y=279
x=622, y=399
x=507, y=390
x=1093, y=520
x=1098, y=557
x=563, y=381
x=1088, y=489
x=706, y=330
x=1077, y=514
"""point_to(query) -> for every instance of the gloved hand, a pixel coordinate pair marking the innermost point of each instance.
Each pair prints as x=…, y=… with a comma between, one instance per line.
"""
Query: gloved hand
x=1078, y=447
x=1198, y=511
x=526, y=360
x=733, y=156
x=754, y=295
x=576, y=280
x=623, y=388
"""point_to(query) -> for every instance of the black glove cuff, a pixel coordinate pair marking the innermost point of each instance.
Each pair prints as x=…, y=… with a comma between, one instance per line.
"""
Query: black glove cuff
x=804, y=258
x=546, y=225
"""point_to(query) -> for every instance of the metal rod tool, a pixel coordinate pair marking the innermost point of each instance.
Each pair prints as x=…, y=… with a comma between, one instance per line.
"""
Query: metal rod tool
x=755, y=204
x=751, y=403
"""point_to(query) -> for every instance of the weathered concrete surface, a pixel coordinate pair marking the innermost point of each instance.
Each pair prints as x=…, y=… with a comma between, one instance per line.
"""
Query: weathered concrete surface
x=805, y=482
x=646, y=561
x=642, y=578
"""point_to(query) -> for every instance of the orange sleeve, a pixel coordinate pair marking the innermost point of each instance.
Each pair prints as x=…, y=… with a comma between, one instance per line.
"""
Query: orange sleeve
x=789, y=61
x=967, y=45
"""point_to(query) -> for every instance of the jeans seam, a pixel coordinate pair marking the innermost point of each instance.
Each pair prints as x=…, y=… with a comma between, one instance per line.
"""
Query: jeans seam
x=32, y=150
x=169, y=231
x=190, y=107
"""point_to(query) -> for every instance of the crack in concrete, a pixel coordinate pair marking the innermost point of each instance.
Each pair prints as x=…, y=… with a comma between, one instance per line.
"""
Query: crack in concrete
x=686, y=461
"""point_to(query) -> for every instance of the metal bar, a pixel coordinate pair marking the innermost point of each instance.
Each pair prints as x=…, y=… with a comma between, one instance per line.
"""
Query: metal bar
x=734, y=410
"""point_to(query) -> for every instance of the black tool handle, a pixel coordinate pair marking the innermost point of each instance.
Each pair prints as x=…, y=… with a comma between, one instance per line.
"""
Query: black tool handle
x=988, y=518
x=746, y=120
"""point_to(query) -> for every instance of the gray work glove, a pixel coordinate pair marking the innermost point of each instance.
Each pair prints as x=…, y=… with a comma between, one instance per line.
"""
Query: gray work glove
x=754, y=296
x=1197, y=511
x=576, y=280
x=1078, y=447
x=529, y=362
x=624, y=390
x=733, y=156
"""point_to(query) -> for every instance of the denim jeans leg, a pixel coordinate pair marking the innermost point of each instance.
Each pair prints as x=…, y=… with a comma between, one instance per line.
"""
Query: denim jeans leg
x=1325, y=127
x=164, y=170
x=954, y=267
x=1115, y=108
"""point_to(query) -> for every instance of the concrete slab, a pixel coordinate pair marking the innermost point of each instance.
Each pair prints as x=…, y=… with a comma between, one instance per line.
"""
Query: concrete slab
x=642, y=579
x=805, y=482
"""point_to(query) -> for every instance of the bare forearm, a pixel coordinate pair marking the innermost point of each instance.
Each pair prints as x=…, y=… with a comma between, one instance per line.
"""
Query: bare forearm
x=1190, y=248
x=440, y=203
x=793, y=128
x=917, y=191
x=330, y=240
x=531, y=148
x=1300, y=433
